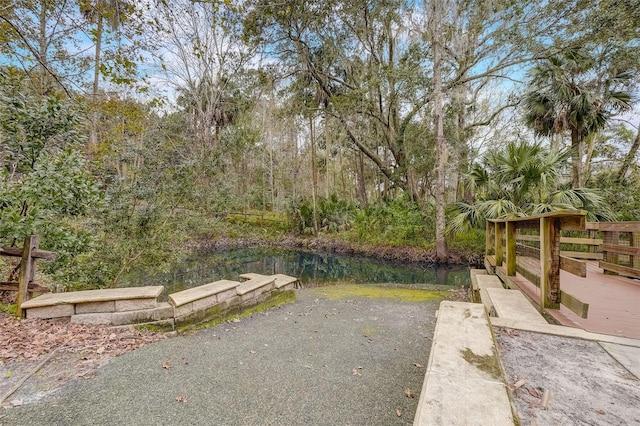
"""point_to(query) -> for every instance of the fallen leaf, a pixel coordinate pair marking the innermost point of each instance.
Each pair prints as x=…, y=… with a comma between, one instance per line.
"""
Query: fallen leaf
x=517, y=384
x=418, y=365
x=545, y=399
x=356, y=372
x=533, y=392
x=181, y=398
x=370, y=340
x=100, y=350
x=398, y=412
x=601, y=412
x=252, y=352
x=235, y=320
x=408, y=393
x=166, y=365
x=112, y=336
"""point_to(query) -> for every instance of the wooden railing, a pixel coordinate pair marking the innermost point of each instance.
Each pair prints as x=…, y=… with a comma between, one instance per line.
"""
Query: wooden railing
x=25, y=285
x=620, y=247
x=541, y=265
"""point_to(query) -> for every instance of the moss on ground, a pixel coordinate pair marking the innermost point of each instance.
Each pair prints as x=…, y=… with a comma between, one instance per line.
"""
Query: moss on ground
x=487, y=363
x=343, y=291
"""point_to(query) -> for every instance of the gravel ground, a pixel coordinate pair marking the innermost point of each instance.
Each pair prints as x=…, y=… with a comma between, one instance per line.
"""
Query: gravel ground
x=351, y=361
x=585, y=385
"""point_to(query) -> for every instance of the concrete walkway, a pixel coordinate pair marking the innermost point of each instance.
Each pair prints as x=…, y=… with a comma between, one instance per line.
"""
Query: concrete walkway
x=351, y=361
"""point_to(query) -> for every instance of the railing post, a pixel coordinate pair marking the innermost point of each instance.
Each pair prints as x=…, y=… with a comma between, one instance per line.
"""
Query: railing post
x=490, y=237
x=27, y=271
x=498, y=248
x=511, y=248
x=549, y=263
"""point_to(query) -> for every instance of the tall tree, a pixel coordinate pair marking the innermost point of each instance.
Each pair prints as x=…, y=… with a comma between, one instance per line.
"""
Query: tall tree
x=569, y=94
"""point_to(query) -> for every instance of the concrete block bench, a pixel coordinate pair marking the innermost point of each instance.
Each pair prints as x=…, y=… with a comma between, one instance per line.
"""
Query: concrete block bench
x=56, y=305
x=201, y=298
x=512, y=304
x=463, y=383
x=281, y=281
x=250, y=290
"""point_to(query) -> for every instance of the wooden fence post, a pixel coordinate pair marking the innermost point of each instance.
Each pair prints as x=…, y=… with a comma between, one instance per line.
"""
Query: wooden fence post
x=511, y=248
x=498, y=250
x=549, y=263
x=27, y=271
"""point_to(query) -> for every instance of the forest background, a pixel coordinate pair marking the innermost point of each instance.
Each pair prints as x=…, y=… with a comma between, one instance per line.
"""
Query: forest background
x=130, y=130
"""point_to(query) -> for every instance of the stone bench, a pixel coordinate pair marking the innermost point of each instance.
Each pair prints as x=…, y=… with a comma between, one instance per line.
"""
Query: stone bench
x=483, y=283
x=281, y=281
x=463, y=383
x=254, y=287
x=512, y=304
x=56, y=305
x=200, y=298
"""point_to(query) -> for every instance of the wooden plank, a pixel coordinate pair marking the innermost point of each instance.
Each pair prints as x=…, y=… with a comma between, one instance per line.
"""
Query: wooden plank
x=573, y=223
x=619, y=269
x=573, y=266
x=32, y=288
x=612, y=248
x=574, y=304
x=522, y=237
x=17, y=252
x=582, y=255
x=619, y=226
x=593, y=226
x=584, y=241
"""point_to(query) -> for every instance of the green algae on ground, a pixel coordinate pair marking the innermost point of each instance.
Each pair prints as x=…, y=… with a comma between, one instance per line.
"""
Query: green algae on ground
x=343, y=291
x=487, y=363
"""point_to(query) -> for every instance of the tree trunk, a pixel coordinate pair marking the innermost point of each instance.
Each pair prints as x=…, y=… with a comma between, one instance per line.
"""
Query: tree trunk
x=442, y=251
x=93, y=134
x=314, y=179
x=630, y=157
x=576, y=159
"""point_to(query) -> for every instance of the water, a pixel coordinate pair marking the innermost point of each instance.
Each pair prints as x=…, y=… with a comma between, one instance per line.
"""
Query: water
x=313, y=269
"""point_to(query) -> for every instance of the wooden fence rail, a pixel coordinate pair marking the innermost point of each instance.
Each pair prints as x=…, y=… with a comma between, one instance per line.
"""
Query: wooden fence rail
x=540, y=265
x=620, y=247
x=29, y=253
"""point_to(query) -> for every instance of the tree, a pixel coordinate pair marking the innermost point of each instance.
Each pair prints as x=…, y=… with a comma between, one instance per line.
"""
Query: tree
x=101, y=12
x=523, y=179
x=568, y=94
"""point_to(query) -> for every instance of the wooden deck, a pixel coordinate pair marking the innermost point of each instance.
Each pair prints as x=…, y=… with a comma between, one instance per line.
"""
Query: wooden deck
x=614, y=301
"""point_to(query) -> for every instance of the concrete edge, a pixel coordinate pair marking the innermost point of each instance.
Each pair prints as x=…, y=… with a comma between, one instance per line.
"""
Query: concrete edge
x=560, y=330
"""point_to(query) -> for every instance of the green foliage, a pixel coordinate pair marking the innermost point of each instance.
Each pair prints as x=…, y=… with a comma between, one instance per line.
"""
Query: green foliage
x=46, y=186
x=398, y=222
x=333, y=215
x=523, y=179
x=623, y=197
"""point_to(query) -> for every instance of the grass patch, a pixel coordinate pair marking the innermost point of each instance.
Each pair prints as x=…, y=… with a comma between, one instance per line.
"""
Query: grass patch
x=487, y=363
x=343, y=291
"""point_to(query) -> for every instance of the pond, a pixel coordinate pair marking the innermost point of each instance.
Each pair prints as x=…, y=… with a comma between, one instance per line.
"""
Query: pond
x=313, y=269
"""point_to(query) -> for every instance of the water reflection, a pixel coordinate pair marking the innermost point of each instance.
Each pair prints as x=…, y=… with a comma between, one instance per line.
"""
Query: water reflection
x=313, y=269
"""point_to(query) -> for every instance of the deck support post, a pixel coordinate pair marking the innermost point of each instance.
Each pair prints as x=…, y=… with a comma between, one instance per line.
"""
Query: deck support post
x=498, y=247
x=549, y=263
x=511, y=248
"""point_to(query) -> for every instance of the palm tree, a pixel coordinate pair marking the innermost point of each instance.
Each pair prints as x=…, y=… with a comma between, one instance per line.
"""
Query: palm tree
x=568, y=94
x=523, y=179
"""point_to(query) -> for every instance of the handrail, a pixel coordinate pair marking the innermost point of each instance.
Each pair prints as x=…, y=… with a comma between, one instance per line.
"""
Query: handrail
x=501, y=244
x=620, y=248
